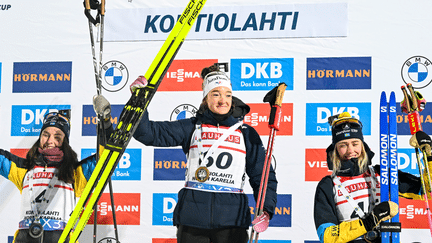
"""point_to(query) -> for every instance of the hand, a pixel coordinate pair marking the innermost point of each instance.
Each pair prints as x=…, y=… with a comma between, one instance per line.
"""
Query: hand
x=382, y=212
x=102, y=107
x=139, y=83
x=261, y=223
x=422, y=141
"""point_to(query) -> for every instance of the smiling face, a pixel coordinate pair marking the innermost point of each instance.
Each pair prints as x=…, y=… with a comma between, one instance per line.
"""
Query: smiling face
x=349, y=148
x=219, y=100
x=51, y=137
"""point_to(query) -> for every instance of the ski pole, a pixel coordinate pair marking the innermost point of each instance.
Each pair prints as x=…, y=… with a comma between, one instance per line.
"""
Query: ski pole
x=274, y=123
x=99, y=22
x=415, y=126
x=417, y=118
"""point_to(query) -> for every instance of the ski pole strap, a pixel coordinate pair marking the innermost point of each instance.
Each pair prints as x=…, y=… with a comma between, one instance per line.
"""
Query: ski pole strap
x=414, y=122
x=275, y=117
x=95, y=5
x=275, y=100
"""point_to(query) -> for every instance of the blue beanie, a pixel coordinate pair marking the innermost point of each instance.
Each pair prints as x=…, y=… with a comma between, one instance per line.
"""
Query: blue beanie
x=58, y=119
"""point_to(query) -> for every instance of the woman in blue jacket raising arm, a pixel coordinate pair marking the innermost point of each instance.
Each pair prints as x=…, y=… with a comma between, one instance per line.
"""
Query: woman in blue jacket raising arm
x=50, y=177
x=220, y=149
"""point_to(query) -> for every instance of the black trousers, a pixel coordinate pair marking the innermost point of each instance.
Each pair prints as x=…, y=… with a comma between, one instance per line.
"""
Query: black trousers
x=186, y=234
x=47, y=237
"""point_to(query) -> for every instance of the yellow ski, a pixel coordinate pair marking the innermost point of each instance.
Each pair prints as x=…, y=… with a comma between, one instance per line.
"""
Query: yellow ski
x=128, y=121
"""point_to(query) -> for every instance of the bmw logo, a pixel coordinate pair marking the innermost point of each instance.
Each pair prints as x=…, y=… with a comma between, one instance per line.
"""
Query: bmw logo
x=114, y=76
x=183, y=111
x=415, y=70
x=109, y=240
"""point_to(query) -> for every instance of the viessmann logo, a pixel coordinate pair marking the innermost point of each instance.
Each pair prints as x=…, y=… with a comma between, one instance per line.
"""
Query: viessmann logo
x=127, y=209
x=42, y=77
x=258, y=118
x=185, y=75
x=316, y=164
x=413, y=214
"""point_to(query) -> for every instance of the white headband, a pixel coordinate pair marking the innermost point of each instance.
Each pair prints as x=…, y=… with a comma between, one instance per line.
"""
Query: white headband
x=215, y=79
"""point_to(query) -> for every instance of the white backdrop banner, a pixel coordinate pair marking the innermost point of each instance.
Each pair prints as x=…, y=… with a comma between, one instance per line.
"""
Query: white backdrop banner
x=334, y=57
x=232, y=22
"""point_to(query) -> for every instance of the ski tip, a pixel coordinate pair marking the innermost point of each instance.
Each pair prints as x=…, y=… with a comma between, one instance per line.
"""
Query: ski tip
x=383, y=97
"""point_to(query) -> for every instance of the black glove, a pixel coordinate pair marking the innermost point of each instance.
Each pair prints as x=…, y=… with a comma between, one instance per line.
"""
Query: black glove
x=422, y=141
x=382, y=212
x=271, y=95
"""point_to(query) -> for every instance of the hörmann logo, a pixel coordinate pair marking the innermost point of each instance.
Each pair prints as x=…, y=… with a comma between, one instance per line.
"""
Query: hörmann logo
x=90, y=120
x=339, y=73
x=42, y=77
x=169, y=164
x=282, y=214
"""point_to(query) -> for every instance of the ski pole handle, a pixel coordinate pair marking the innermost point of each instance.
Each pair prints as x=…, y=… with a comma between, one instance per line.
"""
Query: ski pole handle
x=276, y=111
x=94, y=5
x=413, y=97
x=102, y=7
x=406, y=99
x=414, y=120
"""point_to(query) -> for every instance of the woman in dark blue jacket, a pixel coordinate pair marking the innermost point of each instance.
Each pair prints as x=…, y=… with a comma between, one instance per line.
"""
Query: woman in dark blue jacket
x=212, y=206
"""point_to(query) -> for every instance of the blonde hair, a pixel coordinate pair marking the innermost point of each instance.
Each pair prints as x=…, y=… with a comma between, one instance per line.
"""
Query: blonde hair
x=337, y=163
